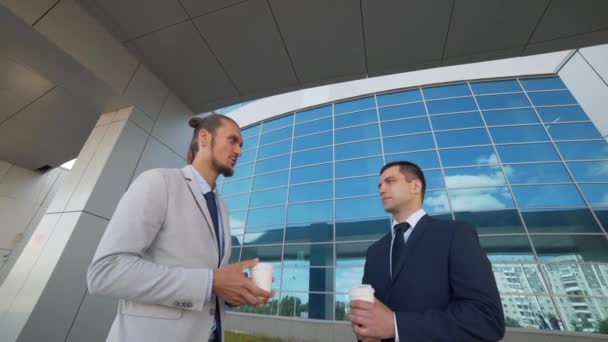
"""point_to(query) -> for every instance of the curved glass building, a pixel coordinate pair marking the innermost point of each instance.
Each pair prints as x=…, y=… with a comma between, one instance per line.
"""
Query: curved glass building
x=518, y=157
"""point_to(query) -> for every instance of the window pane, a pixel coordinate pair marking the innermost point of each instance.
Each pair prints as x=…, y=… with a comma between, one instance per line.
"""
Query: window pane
x=268, y=197
x=277, y=123
x=526, y=153
x=238, y=202
x=362, y=229
x=313, y=127
x=476, y=136
x=446, y=91
x=436, y=202
x=235, y=254
x=270, y=254
x=237, y=219
x=319, y=155
x=307, y=279
x=312, y=211
x=495, y=87
x=251, y=131
x=561, y=114
x=518, y=134
x=536, y=312
x=551, y=98
x=321, y=255
x=347, y=278
x=503, y=101
x=274, y=149
x=270, y=180
x=519, y=278
x=312, y=114
x=312, y=141
x=351, y=253
x=358, y=149
x=353, y=119
x=402, y=111
x=493, y=222
x=481, y=199
x=596, y=194
x=248, y=156
x=310, y=232
x=474, y=177
x=353, y=105
x=573, y=131
x=264, y=235
x=463, y=104
x=311, y=173
x=581, y=150
x=266, y=216
x=357, y=186
x=424, y=159
x=273, y=164
x=356, y=133
x=544, y=83
x=510, y=116
x=507, y=248
x=451, y=121
x=537, y=173
x=280, y=134
x=236, y=187
x=400, y=97
x=311, y=191
x=576, y=279
x=434, y=180
x=241, y=171
x=251, y=142
x=408, y=143
x=359, y=207
x=359, y=167
x=564, y=195
x=602, y=216
x=482, y=155
x=560, y=221
x=576, y=248
x=589, y=171
x=399, y=127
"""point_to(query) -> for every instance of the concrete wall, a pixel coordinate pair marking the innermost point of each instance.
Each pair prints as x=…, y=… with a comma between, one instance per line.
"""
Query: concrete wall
x=24, y=197
x=586, y=75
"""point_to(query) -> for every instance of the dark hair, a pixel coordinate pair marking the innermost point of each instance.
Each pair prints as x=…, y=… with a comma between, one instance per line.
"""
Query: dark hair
x=410, y=170
x=209, y=123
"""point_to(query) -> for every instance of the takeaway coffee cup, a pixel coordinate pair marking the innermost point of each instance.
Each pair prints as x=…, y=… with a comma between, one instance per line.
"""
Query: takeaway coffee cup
x=261, y=275
x=362, y=292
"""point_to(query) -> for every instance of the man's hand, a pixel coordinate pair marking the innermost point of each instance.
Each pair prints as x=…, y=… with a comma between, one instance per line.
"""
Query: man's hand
x=371, y=321
x=231, y=284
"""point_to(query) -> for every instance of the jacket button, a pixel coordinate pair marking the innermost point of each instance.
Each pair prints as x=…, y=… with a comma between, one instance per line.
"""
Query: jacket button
x=176, y=303
x=188, y=305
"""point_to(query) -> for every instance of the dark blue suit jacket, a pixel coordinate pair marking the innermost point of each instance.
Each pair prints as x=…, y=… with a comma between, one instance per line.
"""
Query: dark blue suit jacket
x=443, y=289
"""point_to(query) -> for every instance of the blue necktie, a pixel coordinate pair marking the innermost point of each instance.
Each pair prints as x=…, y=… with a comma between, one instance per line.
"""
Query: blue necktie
x=398, y=245
x=210, y=198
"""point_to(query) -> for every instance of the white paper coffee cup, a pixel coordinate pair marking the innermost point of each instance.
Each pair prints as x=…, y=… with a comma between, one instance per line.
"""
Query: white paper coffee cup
x=363, y=292
x=261, y=275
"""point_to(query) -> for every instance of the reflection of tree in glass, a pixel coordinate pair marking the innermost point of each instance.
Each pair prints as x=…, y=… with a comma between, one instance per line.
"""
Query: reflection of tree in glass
x=602, y=327
x=341, y=311
x=512, y=322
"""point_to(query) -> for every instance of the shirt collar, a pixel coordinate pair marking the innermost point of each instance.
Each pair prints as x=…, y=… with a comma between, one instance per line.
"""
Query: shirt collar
x=412, y=220
x=205, y=188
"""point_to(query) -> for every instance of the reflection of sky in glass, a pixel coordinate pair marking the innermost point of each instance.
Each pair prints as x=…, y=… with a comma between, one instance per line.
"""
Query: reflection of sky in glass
x=474, y=177
x=596, y=194
x=436, y=202
x=347, y=278
x=564, y=195
x=536, y=173
x=590, y=171
x=481, y=199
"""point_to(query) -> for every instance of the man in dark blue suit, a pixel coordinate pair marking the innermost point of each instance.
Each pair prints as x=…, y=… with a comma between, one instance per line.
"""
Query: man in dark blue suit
x=432, y=279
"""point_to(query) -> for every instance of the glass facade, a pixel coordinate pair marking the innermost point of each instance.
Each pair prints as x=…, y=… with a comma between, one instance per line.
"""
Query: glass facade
x=518, y=158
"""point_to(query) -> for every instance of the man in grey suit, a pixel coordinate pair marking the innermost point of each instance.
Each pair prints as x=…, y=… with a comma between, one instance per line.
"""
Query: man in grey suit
x=165, y=251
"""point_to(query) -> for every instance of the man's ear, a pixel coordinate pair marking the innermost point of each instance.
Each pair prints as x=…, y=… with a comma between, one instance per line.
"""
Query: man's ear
x=203, y=138
x=417, y=185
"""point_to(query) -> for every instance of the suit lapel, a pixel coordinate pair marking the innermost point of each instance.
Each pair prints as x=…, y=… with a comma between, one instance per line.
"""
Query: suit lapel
x=200, y=201
x=411, y=245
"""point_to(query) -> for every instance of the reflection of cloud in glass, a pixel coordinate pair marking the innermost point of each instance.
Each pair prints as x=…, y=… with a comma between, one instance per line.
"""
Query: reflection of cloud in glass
x=481, y=199
x=346, y=278
x=491, y=159
x=436, y=202
x=598, y=169
x=492, y=177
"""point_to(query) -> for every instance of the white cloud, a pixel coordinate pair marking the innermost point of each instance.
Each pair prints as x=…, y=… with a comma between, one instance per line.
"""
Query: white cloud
x=464, y=181
x=478, y=199
x=491, y=159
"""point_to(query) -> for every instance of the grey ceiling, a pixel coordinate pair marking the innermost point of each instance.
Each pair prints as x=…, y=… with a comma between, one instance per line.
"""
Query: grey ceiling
x=222, y=52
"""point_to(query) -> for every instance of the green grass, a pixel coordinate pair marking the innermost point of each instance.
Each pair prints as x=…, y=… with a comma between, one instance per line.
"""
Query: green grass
x=238, y=337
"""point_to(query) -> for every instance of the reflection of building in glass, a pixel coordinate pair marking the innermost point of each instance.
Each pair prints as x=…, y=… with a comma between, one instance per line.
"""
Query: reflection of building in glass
x=519, y=158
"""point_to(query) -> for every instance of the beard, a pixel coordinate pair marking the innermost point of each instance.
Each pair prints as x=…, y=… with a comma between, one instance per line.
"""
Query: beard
x=221, y=169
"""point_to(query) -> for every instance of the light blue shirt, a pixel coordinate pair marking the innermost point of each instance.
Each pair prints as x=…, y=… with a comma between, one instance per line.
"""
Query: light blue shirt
x=205, y=188
x=413, y=221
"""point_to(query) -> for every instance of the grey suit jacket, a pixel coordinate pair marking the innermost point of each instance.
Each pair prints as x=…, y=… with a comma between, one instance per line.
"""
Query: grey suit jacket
x=155, y=257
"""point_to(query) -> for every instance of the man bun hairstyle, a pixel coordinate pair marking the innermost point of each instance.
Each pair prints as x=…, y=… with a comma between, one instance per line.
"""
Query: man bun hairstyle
x=209, y=123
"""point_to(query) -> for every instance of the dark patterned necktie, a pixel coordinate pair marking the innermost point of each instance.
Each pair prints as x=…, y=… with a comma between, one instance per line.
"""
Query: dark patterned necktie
x=210, y=197
x=398, y=245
